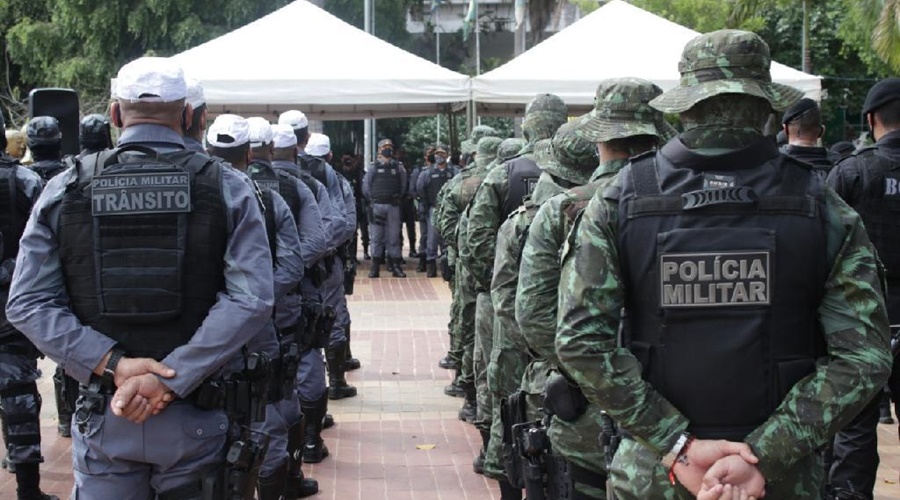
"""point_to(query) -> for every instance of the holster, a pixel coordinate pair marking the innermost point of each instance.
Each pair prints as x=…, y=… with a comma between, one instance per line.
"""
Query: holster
x=512, y=413
x=66, y=389
x=290, y=363
x=325, y=326
x=610, y=438
x=307, y=335
x=243, y=395
x=533, y=446
x=349, y=276
x=242, y=466
x=315, y=275
x=564, y=399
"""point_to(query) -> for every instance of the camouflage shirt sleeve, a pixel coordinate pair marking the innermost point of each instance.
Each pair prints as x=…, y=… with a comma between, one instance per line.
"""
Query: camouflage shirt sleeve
x=590, y=305
x=539, y=273
x=854, y=321
x=446, y=215
x=503, y=285
x=484, y=221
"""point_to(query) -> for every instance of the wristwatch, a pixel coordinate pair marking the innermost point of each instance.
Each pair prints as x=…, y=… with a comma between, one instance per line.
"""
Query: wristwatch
x=668, y=460
x=109, y=371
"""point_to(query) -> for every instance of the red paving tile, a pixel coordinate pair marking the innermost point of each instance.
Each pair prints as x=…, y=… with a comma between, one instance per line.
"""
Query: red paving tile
x=400, y=438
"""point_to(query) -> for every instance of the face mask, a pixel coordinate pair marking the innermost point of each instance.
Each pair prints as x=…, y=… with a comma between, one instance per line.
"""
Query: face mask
x=440, y=160
x=347, y=163
x=387, y=152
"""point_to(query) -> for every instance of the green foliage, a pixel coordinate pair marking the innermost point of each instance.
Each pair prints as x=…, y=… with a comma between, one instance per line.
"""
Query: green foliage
x=702, y=15
x=423, y=131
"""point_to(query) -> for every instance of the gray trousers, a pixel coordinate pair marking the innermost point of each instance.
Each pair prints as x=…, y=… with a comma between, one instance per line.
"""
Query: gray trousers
x=384, y=230
x=275, y=426
x=311, y=376
x=114, y=458
x=423, y=212
x=333, y=295
x=21, y=408
x=435, y=245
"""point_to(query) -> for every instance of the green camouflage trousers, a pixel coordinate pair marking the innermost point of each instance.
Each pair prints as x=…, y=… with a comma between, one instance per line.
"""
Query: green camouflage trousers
x=636, y=474
x=504, y=377
x=484, y=340
x=463, y=336
x=578, y=442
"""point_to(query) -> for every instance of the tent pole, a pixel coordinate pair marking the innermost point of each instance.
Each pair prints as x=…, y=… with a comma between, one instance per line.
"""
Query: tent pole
x=368, y=123
x=477, y=62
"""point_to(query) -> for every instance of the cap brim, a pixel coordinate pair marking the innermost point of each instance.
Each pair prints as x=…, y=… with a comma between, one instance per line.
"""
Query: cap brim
x=680, y=99
x=546, y=161
x=597, y=128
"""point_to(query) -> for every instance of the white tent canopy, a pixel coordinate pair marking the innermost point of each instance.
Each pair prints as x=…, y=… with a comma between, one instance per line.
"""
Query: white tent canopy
x=341, y=73
x=616, y=40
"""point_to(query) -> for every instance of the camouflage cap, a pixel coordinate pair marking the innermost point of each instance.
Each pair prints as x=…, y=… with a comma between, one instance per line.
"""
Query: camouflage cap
x=487, y=149
x=466, y=147
x=509, y=148
x=543, y=115
x=568, y=155
x=621, y=109
x=725, y=62
x=479, y=131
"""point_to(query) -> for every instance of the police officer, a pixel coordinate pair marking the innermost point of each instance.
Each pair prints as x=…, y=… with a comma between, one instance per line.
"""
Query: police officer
x=143, y=344
x=44, y=139
x=430, y=182
x=408, y=209
x=421, y=207
x=193, y=131
x=384, y=186
x=719, y=232
x=95, y=134
x=20, y=401
x=229, y=138
x=318, y=152
x=802, y=123
x=621, y=125
x=312, y=390
x=351, y=171
x=289, y=306
x=867, y=181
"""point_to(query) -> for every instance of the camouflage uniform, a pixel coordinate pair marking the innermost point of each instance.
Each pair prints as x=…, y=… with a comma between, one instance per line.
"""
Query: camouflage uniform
x=453, y=199
x=543, y=116
x=851, y=311
x=566, y=160
x=621, y=110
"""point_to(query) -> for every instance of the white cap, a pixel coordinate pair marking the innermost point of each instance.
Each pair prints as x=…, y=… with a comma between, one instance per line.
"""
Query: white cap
x=283, y=136
x=318, y=144
x=195, y=96
x=228, y=131
x=260, y=131
x=151, y=79
x=296, y=119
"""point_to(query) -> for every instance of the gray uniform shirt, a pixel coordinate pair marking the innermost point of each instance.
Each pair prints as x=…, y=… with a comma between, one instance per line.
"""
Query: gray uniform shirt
x=39, y=305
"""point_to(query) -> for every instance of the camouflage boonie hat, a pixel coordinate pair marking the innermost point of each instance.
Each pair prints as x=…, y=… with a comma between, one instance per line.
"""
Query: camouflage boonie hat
x=621, y=109
x=487, y=149
x=568, y=155
x=725, y=62
x=479, y=131
x=466, y=147
x=509, y=148
x=543, y=116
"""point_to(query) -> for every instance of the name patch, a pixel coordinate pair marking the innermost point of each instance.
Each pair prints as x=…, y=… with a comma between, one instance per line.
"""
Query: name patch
x=714, y=279
x=530, y=183
x=270, y=185
x=717, y=181
x=131, y=194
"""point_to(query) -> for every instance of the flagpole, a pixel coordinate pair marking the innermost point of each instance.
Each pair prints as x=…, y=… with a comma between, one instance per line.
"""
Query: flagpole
x=477, y=57
x=368, y=129
x=437, y=59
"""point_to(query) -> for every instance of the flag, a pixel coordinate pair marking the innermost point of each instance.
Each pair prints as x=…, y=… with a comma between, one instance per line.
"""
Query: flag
x=521, y=8
x=469, y=20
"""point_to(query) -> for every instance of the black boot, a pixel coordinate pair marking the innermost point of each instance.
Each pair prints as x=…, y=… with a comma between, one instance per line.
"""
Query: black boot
x=271, y=487
x=328, y=421
x=884, y=409
x=376, y=267
x=468, y=412
x=366, y=252
x=28, y=481
x=421, y=267
x=350, y=363
x=432, y=269
x=396, y=270
x=314, y=449
x=338, y=388
x=6, y=464
x=447, y=363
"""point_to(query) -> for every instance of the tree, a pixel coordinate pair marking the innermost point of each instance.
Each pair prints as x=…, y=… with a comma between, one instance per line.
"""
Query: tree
x=876, y=24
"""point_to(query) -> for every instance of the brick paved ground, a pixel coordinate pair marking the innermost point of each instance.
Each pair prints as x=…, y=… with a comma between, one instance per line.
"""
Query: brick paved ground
x=400, y=438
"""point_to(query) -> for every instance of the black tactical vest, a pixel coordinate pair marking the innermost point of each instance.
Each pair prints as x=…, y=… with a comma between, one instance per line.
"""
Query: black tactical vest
x=48, y=169
x=267, y=178
x=142, y=244
x=879, y=206
x=385, y=187
x=436, y=181
x=317, y=167
x=723, y=273
x=15, y=208
x=523, y=174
